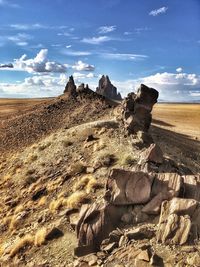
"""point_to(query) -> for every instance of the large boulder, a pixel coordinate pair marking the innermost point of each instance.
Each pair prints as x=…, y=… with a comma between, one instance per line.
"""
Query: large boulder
x=95, y=223
x=136, y=109
x=176, y=218
x=128, y=187
x=107, y=89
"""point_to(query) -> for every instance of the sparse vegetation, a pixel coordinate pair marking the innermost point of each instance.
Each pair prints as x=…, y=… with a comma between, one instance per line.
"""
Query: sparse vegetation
x=43, y=146
x=40, y=237
x=77, y=168
x=27, y=240
x=128, y=160
x=104, y=159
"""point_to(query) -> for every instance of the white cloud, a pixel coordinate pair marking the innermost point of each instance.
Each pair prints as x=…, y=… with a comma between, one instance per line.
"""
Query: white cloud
x=19, y=39
x=25, y=27
x=179, y=69
x=106, y=29
x=171, y=86
x=123, y=56
x=96, y=40
x=38, y=64
x=68, y=46
x=75, y=53
x=158, y=11
x=80, y=66
x=81, y=76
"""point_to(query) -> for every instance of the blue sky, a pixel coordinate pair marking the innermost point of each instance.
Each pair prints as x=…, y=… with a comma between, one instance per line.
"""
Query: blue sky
x=154, y=42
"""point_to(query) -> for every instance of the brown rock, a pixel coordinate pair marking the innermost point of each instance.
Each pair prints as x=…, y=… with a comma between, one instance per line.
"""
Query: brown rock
x=136, y=109
x=110, y=247
x=144, y=255
x=167, y=183
x=126, y=187
x=154, y=205
x=107, y=89
x=70, y=87
x=152, y=154
x=175, y=220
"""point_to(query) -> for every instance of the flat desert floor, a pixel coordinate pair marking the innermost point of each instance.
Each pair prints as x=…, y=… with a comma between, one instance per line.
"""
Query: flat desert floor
x=14, y=106
x=180, y=118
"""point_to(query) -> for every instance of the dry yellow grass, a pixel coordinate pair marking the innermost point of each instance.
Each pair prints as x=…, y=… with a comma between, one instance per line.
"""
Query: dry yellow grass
x=40, y=237
x=21, y=243
x=18, y=209
x=87, y=183
x=42, y=201
x=76, y=199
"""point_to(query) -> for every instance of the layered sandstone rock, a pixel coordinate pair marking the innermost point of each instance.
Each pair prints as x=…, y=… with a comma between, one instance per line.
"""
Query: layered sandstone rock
x=136, y=109
x=107, y=89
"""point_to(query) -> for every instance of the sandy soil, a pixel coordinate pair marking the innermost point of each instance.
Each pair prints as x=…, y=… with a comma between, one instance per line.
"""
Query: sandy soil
x=14, y=106
x=180, y=118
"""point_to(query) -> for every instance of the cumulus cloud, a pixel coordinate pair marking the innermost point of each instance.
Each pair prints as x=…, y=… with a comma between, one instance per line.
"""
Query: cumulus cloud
x=106, y=29
x=80, y=66
x=96, y=40
x=80, y=76
x=123, y=56
x=158, y=11
x=38, y=64
x=179, y=69
x=171, y=86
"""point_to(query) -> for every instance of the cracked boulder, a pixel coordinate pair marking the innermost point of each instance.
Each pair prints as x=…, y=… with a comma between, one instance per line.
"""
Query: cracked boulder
x=128, y=187
x=176, y=219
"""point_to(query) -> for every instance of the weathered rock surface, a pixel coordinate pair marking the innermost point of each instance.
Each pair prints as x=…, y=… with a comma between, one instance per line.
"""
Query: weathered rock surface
x=175, y=220
x=70, y=87
x=125, y=187
x=152, y=154
x=107, y=89
x=94, y=226
x=136, y=109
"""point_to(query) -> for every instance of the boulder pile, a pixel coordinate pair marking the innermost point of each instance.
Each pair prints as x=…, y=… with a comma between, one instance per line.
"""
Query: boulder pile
x=136, y=109
x=154, y=201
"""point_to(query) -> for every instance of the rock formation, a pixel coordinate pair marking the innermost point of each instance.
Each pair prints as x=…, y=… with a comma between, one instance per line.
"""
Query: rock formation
x=136, y=109
x=107, y=89
x=70, y=87
x=152, y=191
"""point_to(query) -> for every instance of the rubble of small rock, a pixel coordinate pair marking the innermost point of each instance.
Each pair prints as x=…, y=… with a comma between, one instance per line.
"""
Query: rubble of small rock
x=149, y=206
x=107, y=89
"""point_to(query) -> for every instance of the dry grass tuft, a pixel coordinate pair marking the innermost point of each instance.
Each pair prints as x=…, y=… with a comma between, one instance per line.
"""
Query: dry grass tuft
x=18, y=209
x=42, y=147
x=92, y=185
x=40, y=237
x=76, y=199
x=105, y=159
x=42, y=201
x=56, y=204
x=87, y=182
x=128, y=160
x=77, y=168
x=27, y=240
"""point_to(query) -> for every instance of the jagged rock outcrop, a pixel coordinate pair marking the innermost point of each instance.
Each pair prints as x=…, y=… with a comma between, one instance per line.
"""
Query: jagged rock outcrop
x=107, y=89
x=136, y=109
x=82, y=88
x=70, y=87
